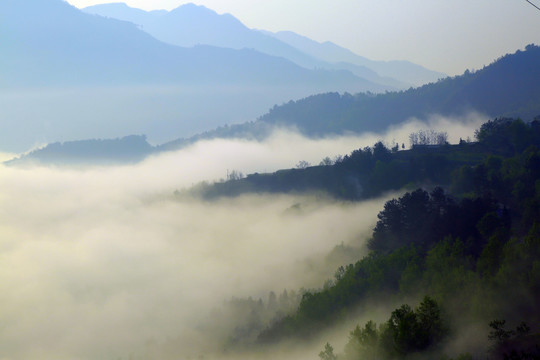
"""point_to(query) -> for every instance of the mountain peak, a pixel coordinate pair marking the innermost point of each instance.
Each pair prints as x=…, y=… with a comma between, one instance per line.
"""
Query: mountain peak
x=203, y=14
x=193, y=6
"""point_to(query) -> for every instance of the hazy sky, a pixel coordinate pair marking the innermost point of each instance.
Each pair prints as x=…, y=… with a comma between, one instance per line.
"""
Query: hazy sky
x=443, y=35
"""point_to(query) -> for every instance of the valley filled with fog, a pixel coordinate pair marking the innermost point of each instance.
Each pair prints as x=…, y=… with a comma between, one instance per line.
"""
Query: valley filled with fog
x=177, y=185
x=100, y=262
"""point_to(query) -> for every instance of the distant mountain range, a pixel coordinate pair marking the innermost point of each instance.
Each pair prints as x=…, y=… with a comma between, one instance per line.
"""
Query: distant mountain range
x=190, y=25
x=506, y=88
x=49, y=42
x=509, y=87
x=341, y=58
x=131, y=82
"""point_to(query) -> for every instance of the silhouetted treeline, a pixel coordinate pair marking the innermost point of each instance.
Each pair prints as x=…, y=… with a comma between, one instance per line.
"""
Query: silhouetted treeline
x=406, y=332
x=371, y=171
x=246, y=318
x=128, y=149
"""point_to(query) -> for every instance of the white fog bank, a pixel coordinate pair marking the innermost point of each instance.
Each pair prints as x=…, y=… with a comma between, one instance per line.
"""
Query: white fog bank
x=99, y=263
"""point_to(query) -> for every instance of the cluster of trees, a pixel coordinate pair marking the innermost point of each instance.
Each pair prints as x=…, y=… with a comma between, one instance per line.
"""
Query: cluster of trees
x=234, y=175
x=428, y=137
x=483, y=239
x=422, y=219
x=506, y=136
x=411, y=332
x=479, y=232
x=372, y=171
x=407, y=331
x=363, y=174
x=245, y=318
x=422, y=240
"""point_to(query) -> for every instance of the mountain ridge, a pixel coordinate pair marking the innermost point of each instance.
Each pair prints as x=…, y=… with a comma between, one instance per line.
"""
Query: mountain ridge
x=315, y=116
x=189, y=25
x=402, y=70
x=505, y=88
x=77, y=44
x=50, y=45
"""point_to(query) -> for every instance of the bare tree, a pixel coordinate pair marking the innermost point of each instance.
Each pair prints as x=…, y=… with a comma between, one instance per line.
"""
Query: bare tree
x=302, y=164
x=234, y=175
x=326, y=162
x=428, y=137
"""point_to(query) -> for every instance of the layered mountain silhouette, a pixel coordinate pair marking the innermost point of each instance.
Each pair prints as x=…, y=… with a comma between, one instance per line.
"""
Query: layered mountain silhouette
x=133, y=83
x=404, y=71
x=190, y=25
x=50, y=42
x=506, y=88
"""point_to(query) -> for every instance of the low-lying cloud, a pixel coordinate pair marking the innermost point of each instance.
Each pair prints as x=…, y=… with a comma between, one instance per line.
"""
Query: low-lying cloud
x=95, y=272
x=98, y=263
x=213, y=159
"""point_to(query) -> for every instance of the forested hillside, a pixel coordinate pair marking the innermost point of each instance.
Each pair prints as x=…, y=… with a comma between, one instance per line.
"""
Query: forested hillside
x=455, y=253
x=507, y=87
x=369, y=172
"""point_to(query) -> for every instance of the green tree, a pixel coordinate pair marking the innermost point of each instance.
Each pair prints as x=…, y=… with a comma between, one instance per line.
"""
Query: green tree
x=328, y=353
x=408, y=331
x=363, y=342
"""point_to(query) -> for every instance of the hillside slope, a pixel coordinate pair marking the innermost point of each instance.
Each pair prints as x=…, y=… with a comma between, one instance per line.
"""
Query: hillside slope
x=507, y=87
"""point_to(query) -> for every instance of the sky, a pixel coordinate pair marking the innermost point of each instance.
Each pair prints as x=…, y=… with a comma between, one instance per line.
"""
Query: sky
x=447, y=36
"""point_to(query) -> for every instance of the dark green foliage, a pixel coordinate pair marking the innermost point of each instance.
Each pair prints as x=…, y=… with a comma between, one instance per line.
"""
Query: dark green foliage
x=513, y=344
x=488, y=168
x=424, y=219
x=364, y=173
x=490, y=259
x=375, y=273
x=499, y=334
x=407, y=331
x=507, y=87
x=448, y=267
x=476, y=252
x=410, y=220
x=469, y=252
x=507, y=136
x=363, y=342
x=328, y=353
x=465, y=356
